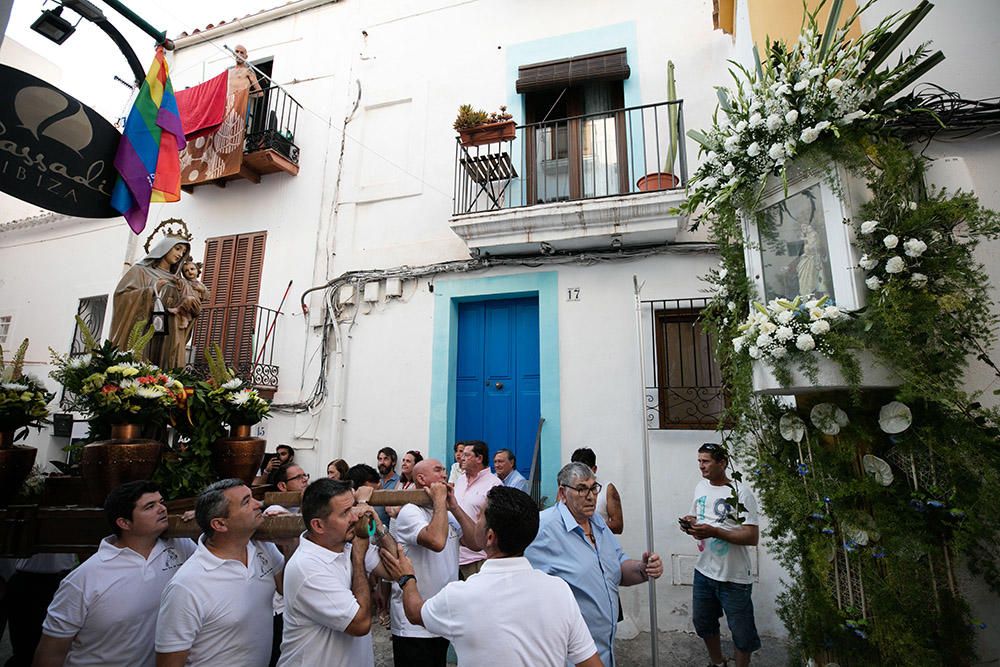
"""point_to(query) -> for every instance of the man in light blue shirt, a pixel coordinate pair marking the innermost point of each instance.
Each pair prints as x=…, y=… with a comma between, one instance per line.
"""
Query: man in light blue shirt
x=576, y=545
x=505, y=465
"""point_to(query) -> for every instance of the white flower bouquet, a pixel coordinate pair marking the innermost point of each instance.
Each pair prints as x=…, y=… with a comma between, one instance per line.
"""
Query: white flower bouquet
x=784, y=327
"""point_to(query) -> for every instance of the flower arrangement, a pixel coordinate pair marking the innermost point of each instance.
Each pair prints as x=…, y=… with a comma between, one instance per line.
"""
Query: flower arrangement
x=783, y=327
x=117, y=386
x=821, y=85
x=240, y=405
x=23, y=398
x=825, y=475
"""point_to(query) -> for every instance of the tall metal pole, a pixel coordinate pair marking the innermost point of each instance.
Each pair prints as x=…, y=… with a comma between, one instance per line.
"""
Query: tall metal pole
x=647, y=484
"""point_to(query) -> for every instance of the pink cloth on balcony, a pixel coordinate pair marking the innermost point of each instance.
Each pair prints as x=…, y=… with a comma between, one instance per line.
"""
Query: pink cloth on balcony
x=203, y=106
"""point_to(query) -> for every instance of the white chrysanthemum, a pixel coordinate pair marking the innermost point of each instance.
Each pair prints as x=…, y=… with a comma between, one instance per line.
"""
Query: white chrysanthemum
x=853, y=116
x=150, y=392
x=79, y=362
x=731, y=306
x=873, y=283
x=756, y=120
x=867, y=263
x=834, y=84
x=242, y=397
x=832, y=313
x=128, y=384
x=791, y=117
x=918, y=280
x=753, y=150
x=805, y=342
x=785, y=316
x=732, y=144
x=822, y=125
x=801, y=85
x=754, y=352
x=815, y=71
x=763, y=340
x=14, y=386
x=778, y=353
x=869, y=226
x=729, y=169
x=913, y=205
x=235, y=383
x=784, y=334
x=776, y=151
x=774, y=122
x=740, y=126
x=914, y=247
x=890, y=241
x=809, y=135
x=895, y=265
x=819, y=327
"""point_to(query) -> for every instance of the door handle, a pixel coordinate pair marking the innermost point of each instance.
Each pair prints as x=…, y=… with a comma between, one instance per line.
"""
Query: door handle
x=499, y=386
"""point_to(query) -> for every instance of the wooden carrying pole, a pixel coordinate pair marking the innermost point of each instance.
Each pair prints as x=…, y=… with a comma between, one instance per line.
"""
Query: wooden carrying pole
x=284, y=526
x=647, y=491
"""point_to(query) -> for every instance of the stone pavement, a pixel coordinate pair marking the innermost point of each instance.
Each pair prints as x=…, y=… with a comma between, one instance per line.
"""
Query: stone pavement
x=676, y=649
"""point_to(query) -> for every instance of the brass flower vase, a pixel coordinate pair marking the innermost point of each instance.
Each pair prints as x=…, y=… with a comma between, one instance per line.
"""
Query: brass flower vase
x=126, y=457
x=15, y=465
x=239, y=455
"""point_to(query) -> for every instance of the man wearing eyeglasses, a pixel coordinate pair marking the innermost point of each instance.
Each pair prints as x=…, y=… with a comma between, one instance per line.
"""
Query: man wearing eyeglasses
x=723, y=577
x=576, y=545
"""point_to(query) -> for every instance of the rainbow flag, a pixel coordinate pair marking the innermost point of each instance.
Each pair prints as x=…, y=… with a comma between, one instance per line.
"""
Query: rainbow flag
x=148, y=158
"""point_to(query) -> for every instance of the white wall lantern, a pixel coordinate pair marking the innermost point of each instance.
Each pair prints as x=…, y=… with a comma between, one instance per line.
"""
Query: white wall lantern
x=807, y=245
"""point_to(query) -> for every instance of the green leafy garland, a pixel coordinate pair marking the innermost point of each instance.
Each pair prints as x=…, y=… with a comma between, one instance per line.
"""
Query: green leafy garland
x=872, y=497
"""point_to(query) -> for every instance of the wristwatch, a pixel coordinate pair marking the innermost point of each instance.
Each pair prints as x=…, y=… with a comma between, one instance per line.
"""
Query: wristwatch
x=405, y=578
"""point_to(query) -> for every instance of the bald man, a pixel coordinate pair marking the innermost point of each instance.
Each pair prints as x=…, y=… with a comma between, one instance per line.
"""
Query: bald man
x=431, y=538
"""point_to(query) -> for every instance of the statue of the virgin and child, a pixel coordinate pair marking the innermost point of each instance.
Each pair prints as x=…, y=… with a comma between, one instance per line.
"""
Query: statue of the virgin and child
x=167, y=278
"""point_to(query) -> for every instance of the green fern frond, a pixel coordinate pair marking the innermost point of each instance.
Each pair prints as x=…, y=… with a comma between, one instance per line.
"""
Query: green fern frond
x=217, y=366
x=18, y=364
x=139, y=337
x=89, y=340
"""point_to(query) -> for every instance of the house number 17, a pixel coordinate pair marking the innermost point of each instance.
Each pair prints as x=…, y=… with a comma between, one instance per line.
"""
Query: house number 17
x=573, y=294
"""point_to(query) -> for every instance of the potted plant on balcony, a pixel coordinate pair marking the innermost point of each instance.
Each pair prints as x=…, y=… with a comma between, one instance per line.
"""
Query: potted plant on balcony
x=666, y=180
x=477, y=127
x=121, y=394
x=23, y=401
x=239, y=406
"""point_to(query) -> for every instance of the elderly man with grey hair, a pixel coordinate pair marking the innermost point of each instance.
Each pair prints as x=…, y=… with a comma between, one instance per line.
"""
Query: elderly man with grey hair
x=577, y=546
x=217, y=608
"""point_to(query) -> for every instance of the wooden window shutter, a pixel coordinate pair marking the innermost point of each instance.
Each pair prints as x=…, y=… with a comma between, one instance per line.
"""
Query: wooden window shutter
x=232, y=271
x=603, y=66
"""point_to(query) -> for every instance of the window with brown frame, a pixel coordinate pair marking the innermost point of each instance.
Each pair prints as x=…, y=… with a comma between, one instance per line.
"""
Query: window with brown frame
x=689, y=387
x=575, y=140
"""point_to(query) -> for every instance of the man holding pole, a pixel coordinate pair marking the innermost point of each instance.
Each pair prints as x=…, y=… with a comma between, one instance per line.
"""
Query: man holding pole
x=577, y=546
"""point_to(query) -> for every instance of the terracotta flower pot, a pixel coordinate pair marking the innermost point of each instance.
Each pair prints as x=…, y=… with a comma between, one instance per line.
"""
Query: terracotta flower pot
x=108, y=464
x=238, y=455
x=15, y=465
x=657, y=181
x=488, y=133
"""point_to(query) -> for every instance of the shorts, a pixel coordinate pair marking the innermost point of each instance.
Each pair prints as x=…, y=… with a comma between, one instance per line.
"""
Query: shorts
x=712, y=598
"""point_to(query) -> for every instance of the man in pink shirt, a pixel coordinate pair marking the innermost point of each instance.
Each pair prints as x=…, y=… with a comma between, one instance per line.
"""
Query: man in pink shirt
x=470, y=491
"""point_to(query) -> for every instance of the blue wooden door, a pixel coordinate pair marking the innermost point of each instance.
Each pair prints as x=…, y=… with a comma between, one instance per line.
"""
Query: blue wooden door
x=497, y=376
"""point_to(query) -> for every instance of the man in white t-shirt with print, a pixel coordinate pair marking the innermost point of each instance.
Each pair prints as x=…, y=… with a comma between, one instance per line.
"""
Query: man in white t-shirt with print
x=509, y=613
x=217, y=610
x=328, y=603
x=723, y=577
x=431, y=538
x=104, y=612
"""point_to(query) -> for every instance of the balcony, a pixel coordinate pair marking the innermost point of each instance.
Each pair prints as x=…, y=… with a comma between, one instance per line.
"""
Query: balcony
x=269, y=144
x=246, y=335
x=584, y=182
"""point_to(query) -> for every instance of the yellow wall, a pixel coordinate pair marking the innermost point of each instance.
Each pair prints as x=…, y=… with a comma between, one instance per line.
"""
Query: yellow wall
x=782, y=19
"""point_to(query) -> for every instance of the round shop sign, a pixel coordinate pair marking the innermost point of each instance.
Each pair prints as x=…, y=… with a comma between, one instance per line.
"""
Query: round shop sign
x=55, y=151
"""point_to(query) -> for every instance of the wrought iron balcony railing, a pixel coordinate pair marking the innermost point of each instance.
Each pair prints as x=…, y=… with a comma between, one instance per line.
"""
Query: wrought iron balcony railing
x=272, y=118
x=611, y=153
x=246, y=335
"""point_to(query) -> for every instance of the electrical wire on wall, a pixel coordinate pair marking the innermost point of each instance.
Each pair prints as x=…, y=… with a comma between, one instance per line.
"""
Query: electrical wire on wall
x=330, y=324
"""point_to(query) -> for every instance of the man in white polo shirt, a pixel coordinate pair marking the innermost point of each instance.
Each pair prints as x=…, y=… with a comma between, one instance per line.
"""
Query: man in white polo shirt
x=104, y=612
x=508, y=614
x=431, y=538
x=217, y=609
x=328, y=605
